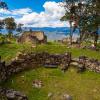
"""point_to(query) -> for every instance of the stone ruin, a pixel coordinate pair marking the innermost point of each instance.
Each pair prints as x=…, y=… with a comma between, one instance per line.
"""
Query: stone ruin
x=90, y=64
x=34, y=37
x=37, y=83
x=12, y=94
x=33, y=60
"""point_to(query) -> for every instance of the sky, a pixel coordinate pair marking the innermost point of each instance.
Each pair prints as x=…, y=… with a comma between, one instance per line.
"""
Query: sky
x=35, y=13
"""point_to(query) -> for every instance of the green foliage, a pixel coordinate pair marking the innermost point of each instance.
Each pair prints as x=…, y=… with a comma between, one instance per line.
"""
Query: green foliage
x=85, y=15
x=1, y=24
x=9, y=51
x=66, y=17
x=3, y=38
x=19, y=28
x=10, y=24
x=3, y=5
x=54, y=81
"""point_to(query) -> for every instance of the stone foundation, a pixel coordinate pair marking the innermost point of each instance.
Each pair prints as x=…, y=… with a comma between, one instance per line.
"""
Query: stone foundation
x=11, y=94
x=90, y=64
x=33, y=60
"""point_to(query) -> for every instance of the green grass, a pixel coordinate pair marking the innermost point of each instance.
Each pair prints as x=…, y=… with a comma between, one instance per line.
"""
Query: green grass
x=9, y=51
x=85, y=86
x=76, y=52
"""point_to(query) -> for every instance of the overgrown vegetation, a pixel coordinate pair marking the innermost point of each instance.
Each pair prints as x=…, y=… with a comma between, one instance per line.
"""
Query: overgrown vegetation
x=83, y=15
x=85, y=86
x=9, y=51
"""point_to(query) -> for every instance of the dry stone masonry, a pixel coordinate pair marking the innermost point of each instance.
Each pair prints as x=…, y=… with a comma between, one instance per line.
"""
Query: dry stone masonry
x=12, y=94
x=33, y=60
x=90, y=64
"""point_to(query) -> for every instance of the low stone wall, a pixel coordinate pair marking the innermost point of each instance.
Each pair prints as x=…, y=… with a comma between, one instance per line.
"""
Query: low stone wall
x=32, y=60
x=11, y=94
x=90, y=64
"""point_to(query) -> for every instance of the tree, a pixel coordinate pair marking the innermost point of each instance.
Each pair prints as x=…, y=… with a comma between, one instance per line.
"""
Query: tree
x=19, y=28
x=70, y=9
x=3, y=5
x=84, y=14
x=1, y=24
x=10, y=25
x=95, y=23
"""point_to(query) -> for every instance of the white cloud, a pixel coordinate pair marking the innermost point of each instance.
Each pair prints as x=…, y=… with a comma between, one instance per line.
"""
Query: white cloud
x=50, y=17
x=22, y=11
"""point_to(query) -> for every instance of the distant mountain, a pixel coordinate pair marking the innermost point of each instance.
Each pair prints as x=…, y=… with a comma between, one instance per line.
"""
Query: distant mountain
x=65, y=30
x=52, y=33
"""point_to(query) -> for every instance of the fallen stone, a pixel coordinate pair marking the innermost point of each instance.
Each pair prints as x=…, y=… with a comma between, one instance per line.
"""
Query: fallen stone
x=37, y=84
x=67, y=97
x=50, y=94
x=15, y=95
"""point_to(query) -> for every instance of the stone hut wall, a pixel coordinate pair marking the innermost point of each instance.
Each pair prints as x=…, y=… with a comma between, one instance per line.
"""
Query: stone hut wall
x=33, y=60
x=29, y=61
x=33, y=37
x=90, y=64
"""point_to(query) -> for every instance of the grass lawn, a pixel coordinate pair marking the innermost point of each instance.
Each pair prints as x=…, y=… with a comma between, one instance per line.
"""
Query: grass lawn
x=85, y=86
x=9, y=51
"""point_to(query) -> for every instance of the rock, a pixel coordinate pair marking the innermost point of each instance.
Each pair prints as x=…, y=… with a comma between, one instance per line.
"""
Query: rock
x=37, y=84
x=33, y=46
x=33, y=37
x=31, y=60
x=10, y=95
x=50, y=94
x=67, y=97
x=15, y=95
x=95, y=90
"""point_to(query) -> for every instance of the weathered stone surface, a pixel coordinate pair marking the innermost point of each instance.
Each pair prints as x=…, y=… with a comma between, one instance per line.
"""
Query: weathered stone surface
x=90, y=64
x=37, y=83
x=67, y=97
x=11, y=94
x=15, y=95
x=32, y=60
x=50, y=95
x=33, y=37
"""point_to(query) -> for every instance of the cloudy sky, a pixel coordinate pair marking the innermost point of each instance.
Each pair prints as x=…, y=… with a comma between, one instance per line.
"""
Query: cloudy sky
x=35, y=13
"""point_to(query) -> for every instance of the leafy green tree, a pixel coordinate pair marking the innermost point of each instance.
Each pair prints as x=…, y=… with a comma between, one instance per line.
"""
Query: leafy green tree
x=10, y=24
x=70, y=9
x=2, y=38
x=85, y=14
x=95, y=22
x=3, y=5
x=19, y=28
x=1, y=24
